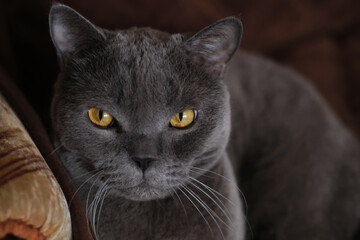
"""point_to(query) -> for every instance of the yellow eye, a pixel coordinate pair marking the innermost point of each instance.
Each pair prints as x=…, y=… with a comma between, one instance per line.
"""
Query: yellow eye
x=100, y=117
x=183, y=119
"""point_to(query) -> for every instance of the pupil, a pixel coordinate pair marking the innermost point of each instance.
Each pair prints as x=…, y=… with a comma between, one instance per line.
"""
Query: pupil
x=100, y=114
x=181, y=116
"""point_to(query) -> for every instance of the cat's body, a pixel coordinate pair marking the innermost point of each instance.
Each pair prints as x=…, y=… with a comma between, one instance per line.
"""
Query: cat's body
x=298, y=166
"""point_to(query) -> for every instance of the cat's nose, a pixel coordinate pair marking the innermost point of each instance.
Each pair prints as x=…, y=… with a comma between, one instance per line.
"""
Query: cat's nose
x=143, y=163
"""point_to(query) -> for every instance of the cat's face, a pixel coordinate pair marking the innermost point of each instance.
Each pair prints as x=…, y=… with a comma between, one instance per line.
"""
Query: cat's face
x=142, y=78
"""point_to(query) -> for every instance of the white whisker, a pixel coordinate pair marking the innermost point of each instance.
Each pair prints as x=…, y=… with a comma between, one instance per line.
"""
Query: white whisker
x=196, y=208
x=77, y=190
x=87, y=199
x=232, y=182
x=229, y=180
x=95, y=203
x=216, y=203
x=101, y=204
x=84, y=174
x=213, y=191
x=207, y=208
x=52, y=152
x=177, y=195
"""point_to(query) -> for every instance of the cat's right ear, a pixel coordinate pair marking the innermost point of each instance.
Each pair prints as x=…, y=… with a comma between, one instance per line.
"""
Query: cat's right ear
x=71, y=32
x=214, y=46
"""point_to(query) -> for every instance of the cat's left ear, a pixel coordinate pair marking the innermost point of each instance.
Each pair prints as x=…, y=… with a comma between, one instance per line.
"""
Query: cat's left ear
x=71, y=32
x=214, y=46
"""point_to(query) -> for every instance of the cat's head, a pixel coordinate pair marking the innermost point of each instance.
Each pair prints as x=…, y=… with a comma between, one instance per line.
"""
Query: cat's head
x=142, y=109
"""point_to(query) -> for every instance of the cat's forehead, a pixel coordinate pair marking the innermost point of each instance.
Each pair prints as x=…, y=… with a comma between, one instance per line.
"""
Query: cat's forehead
x=141, y=42
x=144, y=58
x=143, y=53
x=142, y=70
x=144, y=34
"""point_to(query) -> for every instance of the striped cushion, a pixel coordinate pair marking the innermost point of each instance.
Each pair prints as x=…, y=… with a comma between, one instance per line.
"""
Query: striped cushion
x=32, y=205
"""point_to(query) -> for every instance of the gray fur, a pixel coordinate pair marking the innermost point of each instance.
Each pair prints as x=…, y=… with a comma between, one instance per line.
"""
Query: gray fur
x=298, y=166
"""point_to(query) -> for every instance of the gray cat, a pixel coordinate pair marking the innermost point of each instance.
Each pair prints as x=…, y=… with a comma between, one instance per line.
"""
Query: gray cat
x=142, y=124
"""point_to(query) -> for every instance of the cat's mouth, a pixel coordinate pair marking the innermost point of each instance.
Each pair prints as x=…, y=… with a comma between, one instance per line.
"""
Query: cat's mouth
x=143, y=192
x=149, y=185
x=144, y=184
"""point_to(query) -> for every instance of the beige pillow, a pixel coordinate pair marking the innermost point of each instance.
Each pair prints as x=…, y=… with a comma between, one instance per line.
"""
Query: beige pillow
x=32, y=204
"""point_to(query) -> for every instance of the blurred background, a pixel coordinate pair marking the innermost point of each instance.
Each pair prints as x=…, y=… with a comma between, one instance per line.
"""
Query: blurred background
x=319, y=39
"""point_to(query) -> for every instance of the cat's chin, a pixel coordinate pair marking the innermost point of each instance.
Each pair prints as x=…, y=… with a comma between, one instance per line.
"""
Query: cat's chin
x=142, y=192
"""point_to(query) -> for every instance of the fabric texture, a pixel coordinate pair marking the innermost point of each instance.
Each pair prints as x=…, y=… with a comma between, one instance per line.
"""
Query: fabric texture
x=33, y=124
x=33, y=205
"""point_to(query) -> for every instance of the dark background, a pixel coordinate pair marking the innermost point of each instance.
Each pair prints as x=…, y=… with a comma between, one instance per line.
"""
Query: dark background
x=320, y=39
